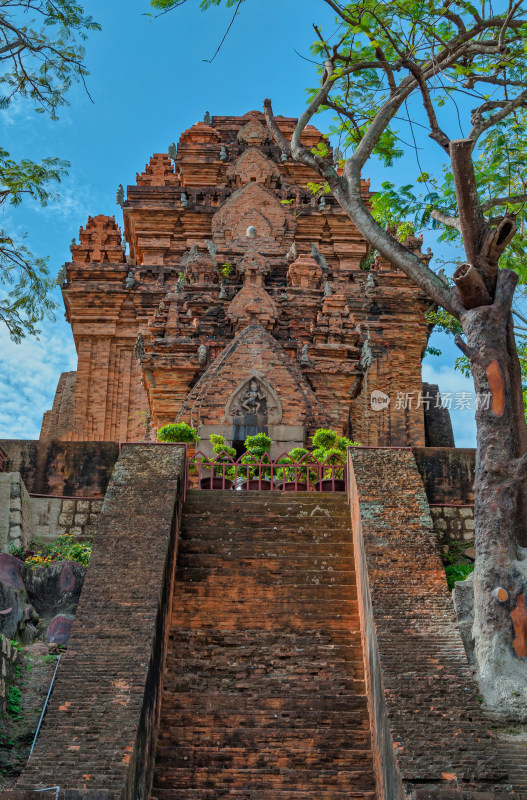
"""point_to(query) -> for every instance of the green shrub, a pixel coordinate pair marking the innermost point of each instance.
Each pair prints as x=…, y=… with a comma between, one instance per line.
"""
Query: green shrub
x=177, y=432
x=324, y=438
x=257, y=448
x=13, y=705
x=258, y=445
x=457, y=572
x=65, y=548
x=223, y=451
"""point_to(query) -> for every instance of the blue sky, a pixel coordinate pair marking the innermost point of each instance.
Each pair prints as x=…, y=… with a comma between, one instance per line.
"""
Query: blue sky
x=149, y=82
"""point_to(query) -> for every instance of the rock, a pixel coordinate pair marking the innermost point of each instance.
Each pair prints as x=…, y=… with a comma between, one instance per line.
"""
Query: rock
x=59, y=629
x=11, y=571
x=28, y=634
x=12, y=602
x=470, y=552
x=463, y=597
x=55, y=589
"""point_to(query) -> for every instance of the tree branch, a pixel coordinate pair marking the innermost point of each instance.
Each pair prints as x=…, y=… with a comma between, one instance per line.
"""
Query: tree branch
x=437, y=134
x=483, y=124
x=502, y=201
x=444, y=219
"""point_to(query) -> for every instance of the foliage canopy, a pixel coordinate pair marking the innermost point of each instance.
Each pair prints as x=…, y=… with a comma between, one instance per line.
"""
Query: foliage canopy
x=41, y=55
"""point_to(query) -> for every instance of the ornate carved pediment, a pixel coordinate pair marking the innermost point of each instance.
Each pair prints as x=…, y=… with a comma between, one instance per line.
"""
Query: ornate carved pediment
x=252, y=165
x=200, y=133
x=158, y=172
x=253, y=133
x=253, y=205
x=200, y=267
x=254, y=397
x=252, y=304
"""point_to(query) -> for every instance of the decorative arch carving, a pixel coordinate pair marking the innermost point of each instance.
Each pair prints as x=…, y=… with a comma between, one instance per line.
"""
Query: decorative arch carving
x=257, y=206
x=253, y=397
x=253, y=133
x=252, y=165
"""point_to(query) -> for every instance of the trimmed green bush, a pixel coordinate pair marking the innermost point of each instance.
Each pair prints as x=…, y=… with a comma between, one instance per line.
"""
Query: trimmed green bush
x=177, y=432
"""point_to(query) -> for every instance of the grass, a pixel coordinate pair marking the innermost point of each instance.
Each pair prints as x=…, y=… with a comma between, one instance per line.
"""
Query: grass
x=13, y=706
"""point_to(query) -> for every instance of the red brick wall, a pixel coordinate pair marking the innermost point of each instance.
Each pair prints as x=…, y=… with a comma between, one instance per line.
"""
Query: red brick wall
x=72, y=469
x=99, y=730
x=431, y=713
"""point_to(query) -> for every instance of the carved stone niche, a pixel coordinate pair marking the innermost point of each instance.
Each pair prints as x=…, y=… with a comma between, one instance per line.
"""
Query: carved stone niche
x=253, y=404
x=304, y=273
x=252, y=165
x=200, y=267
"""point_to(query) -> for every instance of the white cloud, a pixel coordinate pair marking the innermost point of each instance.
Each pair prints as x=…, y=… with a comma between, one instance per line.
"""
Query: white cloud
x=29, y=373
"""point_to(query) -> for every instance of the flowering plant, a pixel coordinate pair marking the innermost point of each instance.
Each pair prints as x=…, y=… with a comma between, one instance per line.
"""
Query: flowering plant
x=65, y=548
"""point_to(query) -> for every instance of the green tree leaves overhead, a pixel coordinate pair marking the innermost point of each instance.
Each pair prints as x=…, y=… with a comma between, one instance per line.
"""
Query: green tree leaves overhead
x=167, y=5
x=41, y=55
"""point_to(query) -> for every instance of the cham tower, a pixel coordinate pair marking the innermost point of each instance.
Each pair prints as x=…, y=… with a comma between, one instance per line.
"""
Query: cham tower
x=245, y=304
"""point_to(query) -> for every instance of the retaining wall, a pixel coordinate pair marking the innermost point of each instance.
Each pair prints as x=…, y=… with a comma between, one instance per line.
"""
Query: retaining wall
x=453, y=523
x=16, y=518
x=54, y=516
x=98, y=734
x=8, y=659
x=62, y=468
x=428, y=727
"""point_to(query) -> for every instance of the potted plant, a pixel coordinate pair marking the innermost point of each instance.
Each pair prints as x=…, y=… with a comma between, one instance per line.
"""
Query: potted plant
x=330, y=451
x=221, y=476
x=256, y=458
x=293, y=477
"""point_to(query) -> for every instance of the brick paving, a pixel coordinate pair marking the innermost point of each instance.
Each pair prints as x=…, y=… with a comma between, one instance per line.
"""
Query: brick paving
x=264, y=691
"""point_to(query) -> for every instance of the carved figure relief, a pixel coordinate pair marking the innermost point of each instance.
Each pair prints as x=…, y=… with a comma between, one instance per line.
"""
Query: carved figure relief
x=254, y=400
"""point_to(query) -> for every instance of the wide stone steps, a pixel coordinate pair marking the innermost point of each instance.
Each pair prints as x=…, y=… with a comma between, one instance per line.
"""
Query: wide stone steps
x=263, y=690
x=227, y=793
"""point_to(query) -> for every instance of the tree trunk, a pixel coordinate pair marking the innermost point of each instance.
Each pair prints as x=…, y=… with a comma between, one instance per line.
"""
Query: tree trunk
x=520, y=429
x=499, y=564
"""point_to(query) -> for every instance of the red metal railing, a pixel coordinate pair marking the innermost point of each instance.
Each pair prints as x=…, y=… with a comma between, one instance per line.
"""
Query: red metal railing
x=281, y=474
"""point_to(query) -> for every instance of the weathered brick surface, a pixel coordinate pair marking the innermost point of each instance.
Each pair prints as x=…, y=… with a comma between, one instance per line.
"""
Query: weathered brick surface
x=433, y=717
x=98, y=732
x=59, y=419
x=62, y=468
x=364, y=330
x=453, y=523
x=447, y=473
x=264, y=694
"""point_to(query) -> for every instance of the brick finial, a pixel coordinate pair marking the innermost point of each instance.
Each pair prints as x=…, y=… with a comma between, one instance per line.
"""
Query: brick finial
x=100, y=241
x=304, y=272
x=158, y=172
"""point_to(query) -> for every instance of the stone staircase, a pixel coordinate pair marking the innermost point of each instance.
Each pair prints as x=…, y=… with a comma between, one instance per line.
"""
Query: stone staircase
x=264, y=694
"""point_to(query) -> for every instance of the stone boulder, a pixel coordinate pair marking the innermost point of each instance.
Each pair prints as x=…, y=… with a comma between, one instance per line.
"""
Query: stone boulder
x=36, y=599
x=55, y=589
x=59, y=629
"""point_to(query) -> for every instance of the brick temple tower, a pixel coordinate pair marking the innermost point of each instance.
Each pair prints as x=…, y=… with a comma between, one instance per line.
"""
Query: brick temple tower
x=245, y=304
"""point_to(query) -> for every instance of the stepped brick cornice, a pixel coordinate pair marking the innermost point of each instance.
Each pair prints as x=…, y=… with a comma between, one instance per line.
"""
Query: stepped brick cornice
x=223, y=234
